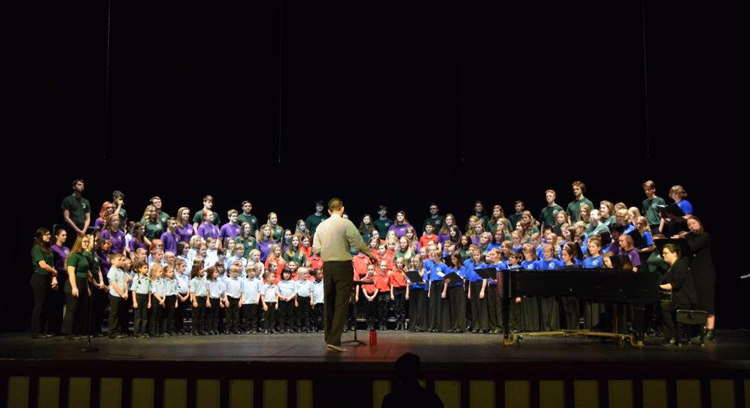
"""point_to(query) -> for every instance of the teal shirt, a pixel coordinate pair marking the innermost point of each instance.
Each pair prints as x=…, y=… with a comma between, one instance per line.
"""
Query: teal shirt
x=248, y=243
x=574, y=208
x=591, y=231
x=250, y=219
x=37, y=255
x=650, y=211
x=80, y=263
x=382, y=226
x=549, y=215
x=313, y=221
x=198, y=218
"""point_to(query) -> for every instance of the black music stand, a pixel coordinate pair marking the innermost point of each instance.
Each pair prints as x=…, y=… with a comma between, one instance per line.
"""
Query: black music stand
x=356, y=285
x=487, y=273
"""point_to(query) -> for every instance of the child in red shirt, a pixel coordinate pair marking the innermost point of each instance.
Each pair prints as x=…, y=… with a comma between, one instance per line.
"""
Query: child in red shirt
x=383, y=284
x=398, y=293
x=371, y=293
x=428, y=236
x=360, y=263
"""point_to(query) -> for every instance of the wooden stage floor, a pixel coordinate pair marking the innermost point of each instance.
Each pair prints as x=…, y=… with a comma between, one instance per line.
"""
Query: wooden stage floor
x=295, y=370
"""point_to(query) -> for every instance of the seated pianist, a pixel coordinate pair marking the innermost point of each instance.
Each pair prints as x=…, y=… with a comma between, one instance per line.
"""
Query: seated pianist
x=679, y=281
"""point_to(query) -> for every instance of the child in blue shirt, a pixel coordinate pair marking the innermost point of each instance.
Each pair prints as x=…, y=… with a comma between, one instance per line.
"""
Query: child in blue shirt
x=215, y=293
x=250, y=299
x=269, y=297
x=303, y=302
x=170, y=302
x=437, y=319
x=199, y=297
x=232, y=295
x=156, y=303
x=317, y=300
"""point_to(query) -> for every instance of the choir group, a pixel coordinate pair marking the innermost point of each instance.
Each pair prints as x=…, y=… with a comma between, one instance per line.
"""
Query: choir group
x=192, y=273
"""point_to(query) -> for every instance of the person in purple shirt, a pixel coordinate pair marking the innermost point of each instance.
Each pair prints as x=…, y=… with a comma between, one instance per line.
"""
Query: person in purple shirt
x=59, y=252
x=106, y=210
x=615, y=233
x=184, y=228
x=207, y=229
x=627, y=248
x=231, y=229
x=444, y=233
x=400, y=225
x=477, y=233
x=170, y=238
x=139, y=240
x=113, y=233
x=265, y=242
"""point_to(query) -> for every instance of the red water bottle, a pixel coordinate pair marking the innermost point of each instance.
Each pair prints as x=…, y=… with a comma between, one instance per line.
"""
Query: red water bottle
x=373, y=338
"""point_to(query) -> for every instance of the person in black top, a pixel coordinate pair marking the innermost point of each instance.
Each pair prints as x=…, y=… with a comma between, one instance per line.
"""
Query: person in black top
x=679, y=281
x=43, y=281
x=702, y=269
x=408, y=392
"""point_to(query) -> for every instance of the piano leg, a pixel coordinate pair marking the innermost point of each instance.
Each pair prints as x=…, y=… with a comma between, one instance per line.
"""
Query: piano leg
x=506, y=319
x=638, y=318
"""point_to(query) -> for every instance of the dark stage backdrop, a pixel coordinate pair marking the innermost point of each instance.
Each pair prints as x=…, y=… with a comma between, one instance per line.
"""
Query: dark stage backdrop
x=403, y=105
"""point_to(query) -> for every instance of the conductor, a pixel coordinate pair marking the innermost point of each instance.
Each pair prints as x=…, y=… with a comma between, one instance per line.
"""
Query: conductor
x=334, y=239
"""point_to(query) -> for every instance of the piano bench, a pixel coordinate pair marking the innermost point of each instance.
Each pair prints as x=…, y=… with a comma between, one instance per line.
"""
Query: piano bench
x=688, y=317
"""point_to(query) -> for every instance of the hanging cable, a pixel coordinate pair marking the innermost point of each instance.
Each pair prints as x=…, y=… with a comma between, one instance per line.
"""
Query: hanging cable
x=106, y=81
x=645, y=78
x=463, y=93
x=281, y=8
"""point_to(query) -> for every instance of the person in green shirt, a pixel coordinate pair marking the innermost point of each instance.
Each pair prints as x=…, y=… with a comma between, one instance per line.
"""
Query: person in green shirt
x=607, y=213
x=498, y=216
x=276, y=230
x=77, y=289
x=247, y=217
x=595, y=226
x=383, y=223
x=163, y=217
x=574, y=207
x=650, y=204
x=246, y=239
x=548, y=216
x=435, y=219
x=152, y=222
x=208, y=205
x=77, y=210
x=314, y=220
x=118, y=198
x=479, y=213
x=43, y=281
x=514, y=218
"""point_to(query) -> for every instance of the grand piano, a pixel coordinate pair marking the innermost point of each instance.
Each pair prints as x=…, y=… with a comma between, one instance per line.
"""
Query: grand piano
x=598, y=285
